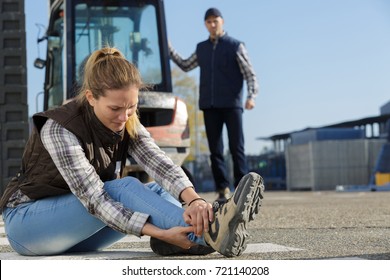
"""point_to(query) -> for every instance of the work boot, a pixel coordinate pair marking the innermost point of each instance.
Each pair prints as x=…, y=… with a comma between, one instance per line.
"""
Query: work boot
x=228, y=232
x=223, y=195
x=165, y=249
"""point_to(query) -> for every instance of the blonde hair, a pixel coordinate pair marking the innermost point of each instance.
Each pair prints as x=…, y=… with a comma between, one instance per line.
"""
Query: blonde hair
x=106, y=69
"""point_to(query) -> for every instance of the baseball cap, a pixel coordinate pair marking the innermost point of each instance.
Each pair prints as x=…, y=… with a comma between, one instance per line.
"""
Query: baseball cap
x=212, y=12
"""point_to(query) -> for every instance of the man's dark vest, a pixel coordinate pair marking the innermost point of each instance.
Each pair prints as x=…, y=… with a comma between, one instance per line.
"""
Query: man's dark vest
x=39, y=177
x=220, y=78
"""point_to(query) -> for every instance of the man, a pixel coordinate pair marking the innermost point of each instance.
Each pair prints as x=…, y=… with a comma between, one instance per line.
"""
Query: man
x=388, y=130
x=224, y=64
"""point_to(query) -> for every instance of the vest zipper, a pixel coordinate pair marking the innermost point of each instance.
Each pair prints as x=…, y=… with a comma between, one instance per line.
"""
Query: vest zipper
x=212, y=71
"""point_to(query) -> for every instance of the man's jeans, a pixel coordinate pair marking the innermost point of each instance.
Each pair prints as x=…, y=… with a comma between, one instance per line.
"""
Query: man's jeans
x=214, y=120
x=61, y=224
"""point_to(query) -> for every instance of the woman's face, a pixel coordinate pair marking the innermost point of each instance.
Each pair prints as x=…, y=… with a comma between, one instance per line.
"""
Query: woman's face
x=115, y=107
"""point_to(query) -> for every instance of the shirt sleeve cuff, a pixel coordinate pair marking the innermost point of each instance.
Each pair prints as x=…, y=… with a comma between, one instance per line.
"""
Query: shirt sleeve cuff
x=180, y=188
x=137, y=222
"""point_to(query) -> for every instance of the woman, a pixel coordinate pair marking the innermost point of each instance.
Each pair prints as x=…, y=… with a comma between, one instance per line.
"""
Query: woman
x=69, y=197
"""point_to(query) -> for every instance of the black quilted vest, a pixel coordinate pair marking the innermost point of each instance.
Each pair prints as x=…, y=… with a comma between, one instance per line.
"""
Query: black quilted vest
x=39, y=177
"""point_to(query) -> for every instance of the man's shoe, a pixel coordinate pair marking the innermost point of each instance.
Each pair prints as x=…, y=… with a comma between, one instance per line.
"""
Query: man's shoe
x=228, y=232
x=165, y=249
x=223, y=195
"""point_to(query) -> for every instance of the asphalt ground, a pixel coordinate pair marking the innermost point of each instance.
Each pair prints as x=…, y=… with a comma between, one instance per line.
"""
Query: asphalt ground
x=290, y=226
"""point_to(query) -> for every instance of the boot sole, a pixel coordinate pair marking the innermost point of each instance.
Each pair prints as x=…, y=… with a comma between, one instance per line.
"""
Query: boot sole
x=234, y=244
x=162, y=248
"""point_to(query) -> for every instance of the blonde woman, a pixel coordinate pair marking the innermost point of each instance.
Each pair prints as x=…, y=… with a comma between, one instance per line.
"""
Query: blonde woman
x=69, y=197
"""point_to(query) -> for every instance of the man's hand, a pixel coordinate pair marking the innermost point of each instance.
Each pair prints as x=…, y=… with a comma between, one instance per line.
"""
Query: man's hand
x=249, y=104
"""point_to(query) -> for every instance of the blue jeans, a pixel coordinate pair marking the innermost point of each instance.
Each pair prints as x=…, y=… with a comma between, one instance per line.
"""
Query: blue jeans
x=214, y=120
x=61, y=224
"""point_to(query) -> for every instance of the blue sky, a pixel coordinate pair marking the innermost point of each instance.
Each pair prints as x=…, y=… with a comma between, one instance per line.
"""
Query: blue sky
x=319, y=62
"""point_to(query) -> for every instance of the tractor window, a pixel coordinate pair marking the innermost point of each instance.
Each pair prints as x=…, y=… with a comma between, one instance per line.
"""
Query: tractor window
x=131, y=29
x=55, y=53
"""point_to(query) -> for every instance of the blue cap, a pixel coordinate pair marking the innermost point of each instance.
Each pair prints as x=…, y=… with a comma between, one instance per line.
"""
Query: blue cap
x=212, y=12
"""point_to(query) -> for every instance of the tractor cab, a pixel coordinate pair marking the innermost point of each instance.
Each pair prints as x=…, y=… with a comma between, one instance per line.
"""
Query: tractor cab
x=137, y=28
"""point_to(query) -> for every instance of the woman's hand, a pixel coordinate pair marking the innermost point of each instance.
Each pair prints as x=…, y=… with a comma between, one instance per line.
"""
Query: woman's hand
x=178, y=236
x=199, y=214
